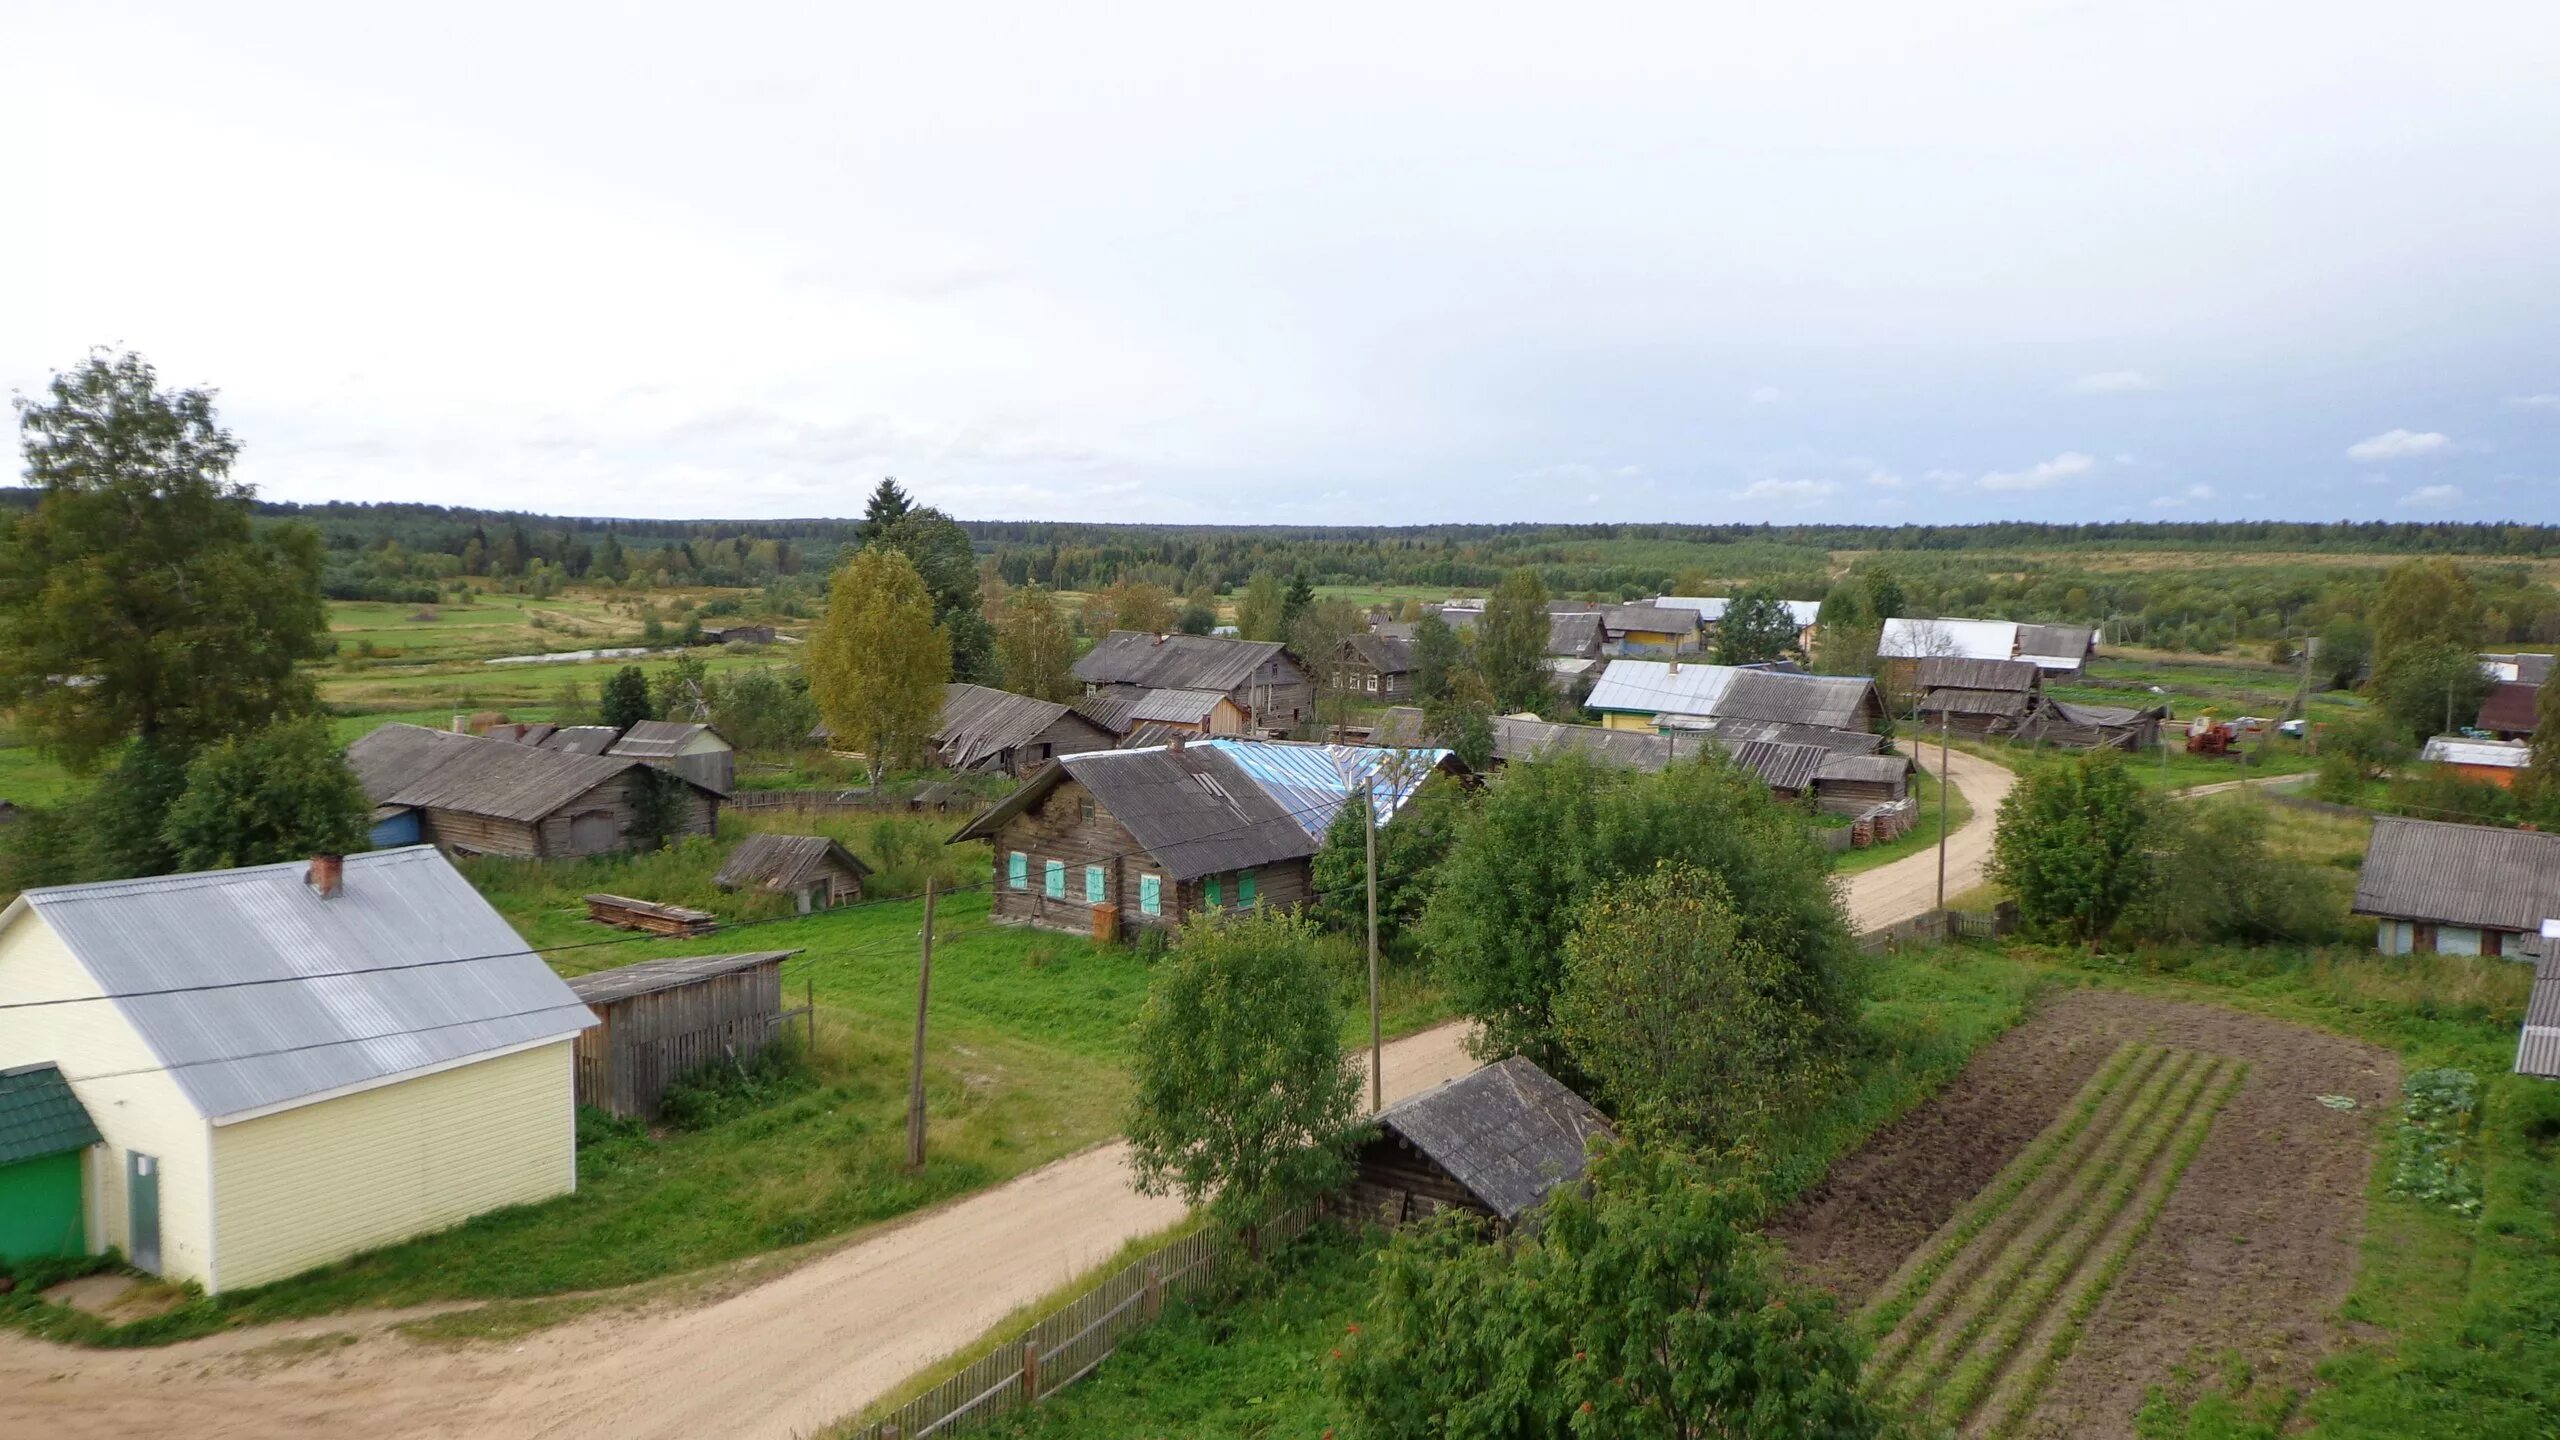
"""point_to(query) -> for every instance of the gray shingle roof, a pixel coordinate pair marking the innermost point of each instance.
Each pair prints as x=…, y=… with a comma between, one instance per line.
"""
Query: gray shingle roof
x=2472, y=876
x=582, y=739
x=437, y=770
x=978, y=723
x=39, y=1115
x=1110, y=708
x=783, y=862
x=659, y=739
x=1673, y=621
x=1509, y=1133
x=1735, y=730
x=1386, y=654
x=1179, y=707
x=1779, y=766
x=1871, y=769
x=1575, y=633
x=1935, y=671
x=1955, y=700
x=2056, y=642
x=405, y=968
x=1173, y=662
x=603, y=987
x=2103, y=717
x=1837, y=702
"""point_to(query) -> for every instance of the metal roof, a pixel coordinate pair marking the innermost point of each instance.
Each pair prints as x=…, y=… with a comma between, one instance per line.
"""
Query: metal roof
x=1314, y=782
x=407, y=967
x=1654, y=687
x=437, y=770
x=2513, y=707
x=2528, y=668
x=1671, y=621
x=623, y=982
x=1109, y=708
x=2475, y=876
x=2538, y=1047
x=1779, y=766
x=1836, y=702
x=1575, y=632
x=1711, y=608
x=783, y=862
x=661, y=739
x=1174, y=662
x=1509, y=1133
x=39, y=1115
x=1915, y=638
x=2495, y=754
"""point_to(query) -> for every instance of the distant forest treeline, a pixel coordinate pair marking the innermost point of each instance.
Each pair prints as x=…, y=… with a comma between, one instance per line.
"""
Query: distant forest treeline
x=2010, y=569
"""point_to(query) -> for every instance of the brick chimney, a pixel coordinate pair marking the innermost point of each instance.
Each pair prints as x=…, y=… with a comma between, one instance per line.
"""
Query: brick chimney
x=1175, y=744
x=327, y=875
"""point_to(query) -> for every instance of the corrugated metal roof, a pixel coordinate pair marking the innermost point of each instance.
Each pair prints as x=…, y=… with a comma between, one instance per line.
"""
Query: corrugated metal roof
x=2496, y=754
x=1179, y=707
x=1836, y=702
x=375, y=1007
x=39, y=1115
x=1174, y=662
x=2538, y=1047
x=1917, y=638
x=1110, y=708
x=2512, y=707
x=1655, y=687
x=1779, y=766
x=2474, y=876
x=660, y=739
x=622, y=982
x=1314, y=782
x=1711, y=608
x=1509, y=1133
x=1655, y=618
x=1870, y=769
x=783, y=862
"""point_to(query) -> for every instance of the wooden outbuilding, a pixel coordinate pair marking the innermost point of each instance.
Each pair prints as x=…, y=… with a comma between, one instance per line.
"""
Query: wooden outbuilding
x=1977, y=697
x=1496, y=1142
x=989, y=731
x=1853, y=784
x=473, y=796
x=2095, y=727
x=816, y=871
x=697, y=752
x=1266, y=682
x=661, y=1019
x=2439, y=888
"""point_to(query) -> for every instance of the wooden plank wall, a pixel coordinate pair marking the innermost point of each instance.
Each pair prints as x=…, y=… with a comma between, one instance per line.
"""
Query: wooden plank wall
x=625, y=1065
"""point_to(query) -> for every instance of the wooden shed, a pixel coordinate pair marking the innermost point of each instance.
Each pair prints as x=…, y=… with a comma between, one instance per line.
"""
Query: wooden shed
x=487, y=797
x=697, y=752
x=815, y=870
x=663, y=1018
x=1496, y=1142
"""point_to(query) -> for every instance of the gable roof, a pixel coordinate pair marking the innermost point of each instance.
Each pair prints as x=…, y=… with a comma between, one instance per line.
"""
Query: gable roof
x=1872, y=769
x=438, y=770
x=1110, y=708
x=1174, y=662
x=1508, y=1132
x=2056, y=647
x=1177, y=707
x=783, y=862
x=1954, y=700
x=1386, y=654
x=1658, y=687
x=2104, y=717
x=622, y=982
x=2474, y=876
x=2528, y=668
x=978, y=723
x=661, y=739
x=1963, y=674
x=2512, y=706
x=2538, y=1046
x=39, y=1115
x=406, y=968
x=1780, y=766
x=582, y=739
x=1578, y=632
x=1672, y=621
x=1837, y=702
x=1217, y=805
x=2489, y=754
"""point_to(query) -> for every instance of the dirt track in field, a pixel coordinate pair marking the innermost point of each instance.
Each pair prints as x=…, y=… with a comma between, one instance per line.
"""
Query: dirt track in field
x=2254, y=1252
x=784, y=1357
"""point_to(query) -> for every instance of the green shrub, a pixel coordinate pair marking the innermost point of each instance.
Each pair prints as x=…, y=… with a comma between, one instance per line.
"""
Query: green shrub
x=726, y=1089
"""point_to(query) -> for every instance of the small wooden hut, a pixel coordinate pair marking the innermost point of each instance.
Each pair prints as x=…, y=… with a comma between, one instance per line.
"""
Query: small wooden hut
x=663, y=1018
x=1496, y=1142
x=813, y=869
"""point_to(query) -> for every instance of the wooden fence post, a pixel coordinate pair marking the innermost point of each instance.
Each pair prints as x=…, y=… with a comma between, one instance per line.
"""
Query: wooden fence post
x=1030, y=1371
x=1155, y=1292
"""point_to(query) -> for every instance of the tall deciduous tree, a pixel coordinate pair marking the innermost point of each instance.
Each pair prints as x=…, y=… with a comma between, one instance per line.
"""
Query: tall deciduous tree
x=137, y=601
x=2074, y=845
x=1409, y=854
x=1678, y=1016
x=1261, y=612
x=625, y=700
x=2430, y=687
x=1243, y=1097
x=877, y=663
x=1757, y=627
x=939, y=549
x=1129, y=605
x=281, y=794
x=1641, y=1307
x=1035, y=647
x=1511, y=642
x=1462, y=718
x=1436, y=654
x=2425, y=604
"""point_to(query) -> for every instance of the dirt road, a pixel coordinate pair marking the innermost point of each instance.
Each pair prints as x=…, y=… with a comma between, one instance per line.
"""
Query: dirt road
x=782, y=1358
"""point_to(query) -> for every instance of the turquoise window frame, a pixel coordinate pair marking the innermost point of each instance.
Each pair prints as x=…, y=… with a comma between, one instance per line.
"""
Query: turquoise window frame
x=1210, y=893
x=1244, y=887
x=1093, y=884
x=1053, y=880
x=1150, y=895
x=1018, y=870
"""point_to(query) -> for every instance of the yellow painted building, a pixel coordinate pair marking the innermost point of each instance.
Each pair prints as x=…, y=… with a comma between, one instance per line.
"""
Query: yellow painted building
x=285, y=1073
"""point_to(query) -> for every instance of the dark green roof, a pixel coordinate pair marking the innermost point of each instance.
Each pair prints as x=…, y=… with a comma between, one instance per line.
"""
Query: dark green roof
x=39, y=1115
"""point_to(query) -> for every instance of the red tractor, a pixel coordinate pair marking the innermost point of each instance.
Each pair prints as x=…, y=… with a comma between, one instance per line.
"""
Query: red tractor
x=2210, y=738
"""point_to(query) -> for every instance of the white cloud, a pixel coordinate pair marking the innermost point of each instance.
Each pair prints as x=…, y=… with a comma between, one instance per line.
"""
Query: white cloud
x=2043, y=475
x=2199, y=492
x=1884, y=480
x=2183, y=498
x=2112, y=382
x=2536, y=402
x=1795, y=492
x=2432, y=496
x=2399, y=445
x=1767, y=395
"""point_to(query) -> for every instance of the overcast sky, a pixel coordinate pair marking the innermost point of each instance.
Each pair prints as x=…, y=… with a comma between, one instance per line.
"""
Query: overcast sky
x=1363, y=263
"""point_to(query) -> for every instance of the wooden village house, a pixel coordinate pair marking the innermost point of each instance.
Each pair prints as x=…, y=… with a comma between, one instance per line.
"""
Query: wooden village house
x=660, y=1019
x=1377, y=668
x=1655, y=694
x=991, y=731
x=1496, y=1142
x=2438, y=888
x=466, y=795
x=815, y=871
x=1109, y=842
x=1266, y=682
x=281, y=1065
x=695, y=751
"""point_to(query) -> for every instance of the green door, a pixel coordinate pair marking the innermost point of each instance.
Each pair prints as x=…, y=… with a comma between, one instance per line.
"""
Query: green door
x=41, y=1213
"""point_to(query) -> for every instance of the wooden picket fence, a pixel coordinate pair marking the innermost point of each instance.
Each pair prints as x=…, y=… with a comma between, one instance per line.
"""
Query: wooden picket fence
x=1066, y=1345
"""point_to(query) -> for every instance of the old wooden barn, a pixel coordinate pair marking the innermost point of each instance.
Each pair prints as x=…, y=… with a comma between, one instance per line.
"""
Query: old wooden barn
x=1496, y=1142
x=1266, y=682
x=816, y=871
x=998, y=732
x=661, y=1019
x=471, y=796
x=697, y=752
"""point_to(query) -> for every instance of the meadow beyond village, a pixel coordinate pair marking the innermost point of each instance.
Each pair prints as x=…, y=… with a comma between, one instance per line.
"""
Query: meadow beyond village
x=509, y=975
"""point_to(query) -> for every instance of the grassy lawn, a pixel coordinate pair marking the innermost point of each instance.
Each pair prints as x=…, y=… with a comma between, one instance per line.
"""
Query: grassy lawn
x=1922, y=836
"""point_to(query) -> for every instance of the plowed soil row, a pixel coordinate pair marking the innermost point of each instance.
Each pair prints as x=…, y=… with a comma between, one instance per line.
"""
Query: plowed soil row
x=2252, y=1249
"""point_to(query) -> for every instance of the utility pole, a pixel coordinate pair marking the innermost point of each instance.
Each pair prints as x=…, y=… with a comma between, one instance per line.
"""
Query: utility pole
x=915, y=1071
x=1377, y=1051
x=1946, y=778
